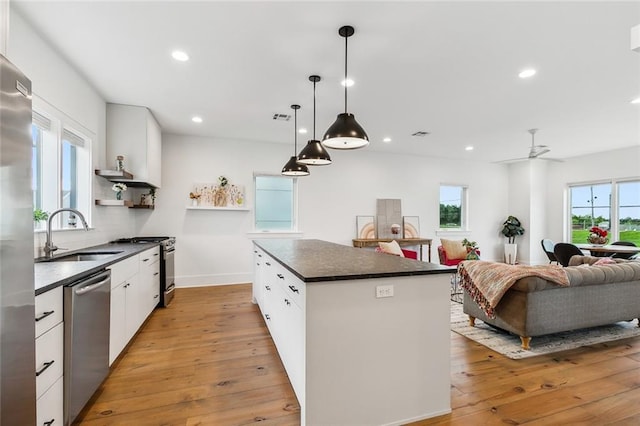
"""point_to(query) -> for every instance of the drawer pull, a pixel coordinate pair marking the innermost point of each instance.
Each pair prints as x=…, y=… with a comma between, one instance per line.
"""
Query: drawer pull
x=267, y=263
x=258, y=263
x=259, y=255
x=267, y=316
x=287, y=302
x=156, y=296
x=46, y=365
x=294, y=289
x=281, y=276
x=157, y=273
x=44, y=315
x=145, y=260
x=49, y=423
x=267, y=287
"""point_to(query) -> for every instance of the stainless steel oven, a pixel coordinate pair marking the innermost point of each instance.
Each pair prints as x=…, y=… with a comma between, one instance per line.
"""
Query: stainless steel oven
x=168, y=276
x=167, y=265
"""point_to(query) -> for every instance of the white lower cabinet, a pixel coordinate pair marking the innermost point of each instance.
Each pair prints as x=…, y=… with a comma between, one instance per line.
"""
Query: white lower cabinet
x=49, y=334
x=134, y=294
x=49, y=406
x=149, y=281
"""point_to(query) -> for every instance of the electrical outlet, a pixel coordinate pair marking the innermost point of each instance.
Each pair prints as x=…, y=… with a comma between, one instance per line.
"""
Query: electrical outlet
x=384, y=291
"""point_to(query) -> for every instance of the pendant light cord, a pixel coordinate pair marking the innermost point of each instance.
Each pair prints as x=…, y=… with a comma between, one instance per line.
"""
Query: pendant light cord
x=314, y=110
x=345, y=73
x=295, y=131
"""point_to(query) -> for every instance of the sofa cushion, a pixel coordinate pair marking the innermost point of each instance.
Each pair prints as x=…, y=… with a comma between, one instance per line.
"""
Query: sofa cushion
x=581, y=275
x=454, y=249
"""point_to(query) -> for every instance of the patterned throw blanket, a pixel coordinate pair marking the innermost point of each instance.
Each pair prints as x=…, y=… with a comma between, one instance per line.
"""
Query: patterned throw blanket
x=487, y=282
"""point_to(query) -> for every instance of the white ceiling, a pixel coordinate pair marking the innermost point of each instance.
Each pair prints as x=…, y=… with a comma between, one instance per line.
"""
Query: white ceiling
x=446, y=68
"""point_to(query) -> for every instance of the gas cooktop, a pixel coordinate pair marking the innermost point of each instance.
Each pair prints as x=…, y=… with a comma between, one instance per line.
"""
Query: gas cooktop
x=141, y=239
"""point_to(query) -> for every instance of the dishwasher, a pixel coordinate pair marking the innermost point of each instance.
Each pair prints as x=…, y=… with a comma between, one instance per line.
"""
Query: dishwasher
x=86, y=340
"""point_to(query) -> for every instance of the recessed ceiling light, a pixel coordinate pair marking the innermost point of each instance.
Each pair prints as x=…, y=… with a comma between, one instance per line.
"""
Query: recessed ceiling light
x=302, y=131
x=348, y=82
x=527, y=73
x=468, y=148
x=636, y=101
x=196, y=119
x=179, y=55
x=386, y=140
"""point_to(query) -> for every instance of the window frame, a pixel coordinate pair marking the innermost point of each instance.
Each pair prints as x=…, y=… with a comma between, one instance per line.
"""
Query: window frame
x=464, y=209
x=57, y=129
x=614, y=206
x=294, y=204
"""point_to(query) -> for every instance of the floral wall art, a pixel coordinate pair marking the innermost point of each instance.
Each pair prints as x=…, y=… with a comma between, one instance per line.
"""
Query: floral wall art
x=220, y=194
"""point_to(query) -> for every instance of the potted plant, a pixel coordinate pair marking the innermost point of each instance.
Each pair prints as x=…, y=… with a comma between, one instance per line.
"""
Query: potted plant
x=472, y=249
x=511, y=228
x=38, y=216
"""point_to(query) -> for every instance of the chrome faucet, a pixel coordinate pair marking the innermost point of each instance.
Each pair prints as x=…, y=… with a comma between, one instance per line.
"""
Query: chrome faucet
x=49, y=247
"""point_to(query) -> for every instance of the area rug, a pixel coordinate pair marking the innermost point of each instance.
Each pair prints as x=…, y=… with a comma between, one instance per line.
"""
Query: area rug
x=508, y=344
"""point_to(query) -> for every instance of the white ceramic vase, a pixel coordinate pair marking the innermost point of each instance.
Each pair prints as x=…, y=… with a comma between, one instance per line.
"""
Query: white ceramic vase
x=510, y=252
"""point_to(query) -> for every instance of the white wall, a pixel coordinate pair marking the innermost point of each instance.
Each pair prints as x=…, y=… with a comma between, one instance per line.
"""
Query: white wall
x=58, y=83
x=214, y=247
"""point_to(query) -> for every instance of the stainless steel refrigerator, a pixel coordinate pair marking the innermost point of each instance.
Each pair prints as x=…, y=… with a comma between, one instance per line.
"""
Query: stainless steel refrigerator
x=17, y=311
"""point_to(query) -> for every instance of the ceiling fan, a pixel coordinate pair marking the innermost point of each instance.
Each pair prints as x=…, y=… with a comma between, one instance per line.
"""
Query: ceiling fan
x=534, y=152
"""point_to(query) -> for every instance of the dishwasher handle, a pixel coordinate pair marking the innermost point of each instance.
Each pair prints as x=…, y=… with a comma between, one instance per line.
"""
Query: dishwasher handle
x=93, y=283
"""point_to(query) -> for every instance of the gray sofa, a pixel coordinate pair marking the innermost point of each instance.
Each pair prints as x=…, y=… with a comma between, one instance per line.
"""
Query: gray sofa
x=597, y=295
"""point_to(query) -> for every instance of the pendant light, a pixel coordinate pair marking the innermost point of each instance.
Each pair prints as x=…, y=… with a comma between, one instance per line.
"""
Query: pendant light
x=314, y=153
x=292, y=168
x=345, y=132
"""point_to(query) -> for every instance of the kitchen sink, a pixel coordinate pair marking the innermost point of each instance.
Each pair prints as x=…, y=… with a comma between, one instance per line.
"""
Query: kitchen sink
x=84, y=256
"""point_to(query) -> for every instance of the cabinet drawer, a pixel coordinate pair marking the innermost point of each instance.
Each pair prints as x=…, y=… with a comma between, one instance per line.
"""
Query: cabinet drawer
x=150, y=256
x=49, y=351
x=293, y=287
x=122, y=270
x=48, y=310
x=49, y=407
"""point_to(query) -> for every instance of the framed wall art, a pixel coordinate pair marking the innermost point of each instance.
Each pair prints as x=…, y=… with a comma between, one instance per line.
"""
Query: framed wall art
x=410, y=227
x=365, y=227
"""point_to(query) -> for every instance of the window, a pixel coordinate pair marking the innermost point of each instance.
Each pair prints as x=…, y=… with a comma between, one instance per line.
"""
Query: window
x=275, y=203
x=629, y=212
x=453, y=207
x=61, y=165
x=613, y=206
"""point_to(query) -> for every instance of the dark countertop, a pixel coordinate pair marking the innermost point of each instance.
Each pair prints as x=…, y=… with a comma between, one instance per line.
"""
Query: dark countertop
x=49, y=275
x=316, y=260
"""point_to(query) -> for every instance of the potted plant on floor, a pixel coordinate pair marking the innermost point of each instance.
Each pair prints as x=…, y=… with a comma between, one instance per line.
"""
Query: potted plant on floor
x=511, y=228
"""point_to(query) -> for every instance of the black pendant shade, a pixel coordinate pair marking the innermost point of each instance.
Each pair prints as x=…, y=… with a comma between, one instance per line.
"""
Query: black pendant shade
x=345, y=132
x=314, y=153
x=292, y=168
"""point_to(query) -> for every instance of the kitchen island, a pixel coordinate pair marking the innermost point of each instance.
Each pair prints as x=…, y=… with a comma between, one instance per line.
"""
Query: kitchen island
x=364, y=336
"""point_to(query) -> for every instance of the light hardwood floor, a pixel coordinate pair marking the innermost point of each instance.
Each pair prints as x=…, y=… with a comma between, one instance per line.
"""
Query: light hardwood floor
x=208, y=360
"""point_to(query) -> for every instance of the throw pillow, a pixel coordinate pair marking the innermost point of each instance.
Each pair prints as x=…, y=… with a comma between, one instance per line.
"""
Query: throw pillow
x=604, y=261
x=392, y=248
x=454, y=249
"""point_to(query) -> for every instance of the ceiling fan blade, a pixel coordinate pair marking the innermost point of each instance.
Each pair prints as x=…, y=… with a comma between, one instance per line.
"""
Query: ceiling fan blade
x=512, y=160
x=536, y=153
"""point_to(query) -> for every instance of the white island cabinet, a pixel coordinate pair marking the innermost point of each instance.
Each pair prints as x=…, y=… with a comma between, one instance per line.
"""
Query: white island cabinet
x=353, y=357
